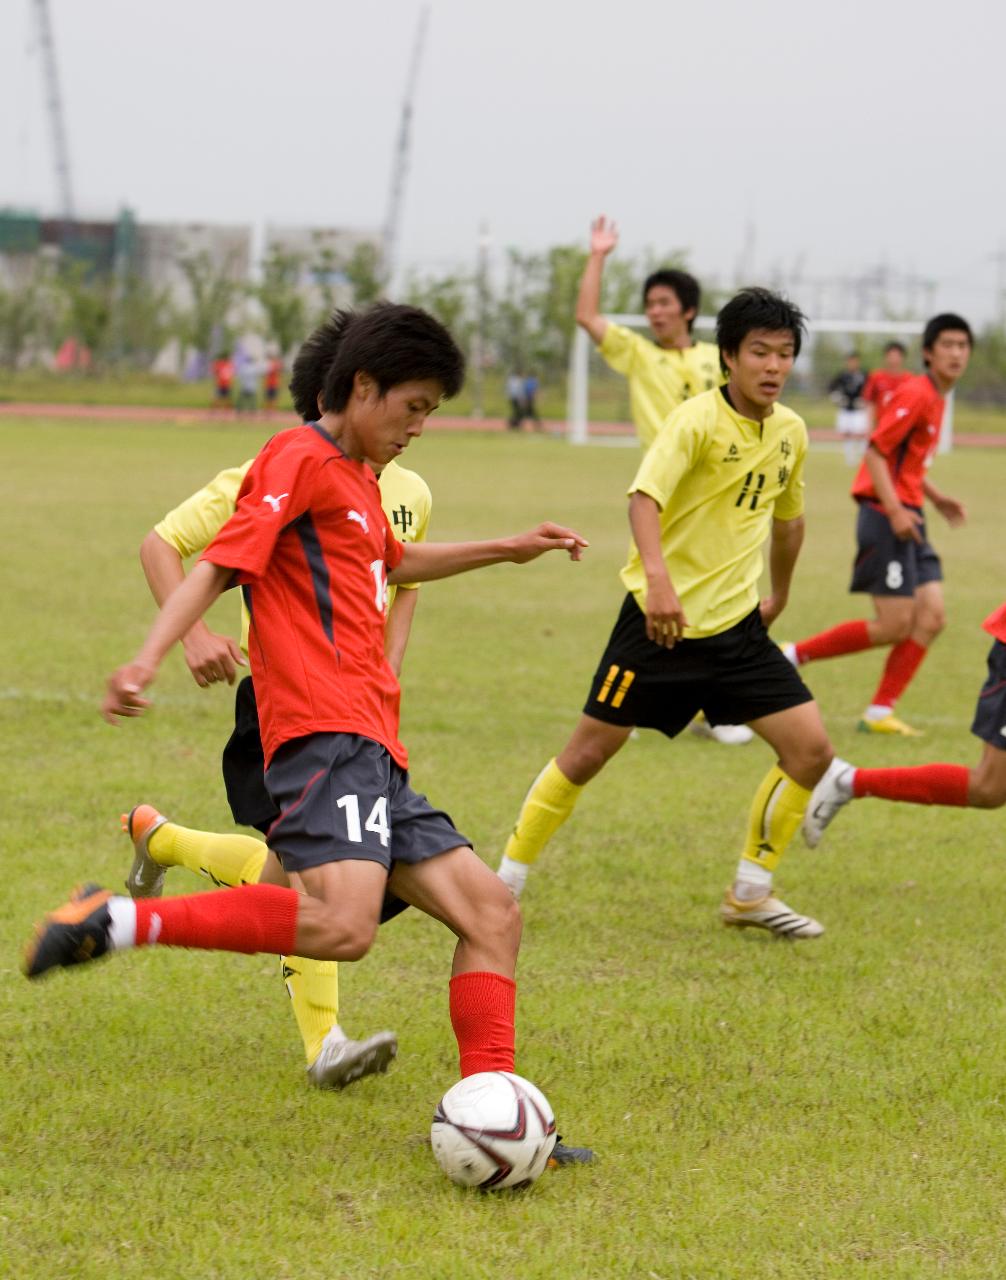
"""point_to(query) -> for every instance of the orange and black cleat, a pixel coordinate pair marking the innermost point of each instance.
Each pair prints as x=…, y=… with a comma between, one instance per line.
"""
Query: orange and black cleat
x=73, y=934
x=563, y=1155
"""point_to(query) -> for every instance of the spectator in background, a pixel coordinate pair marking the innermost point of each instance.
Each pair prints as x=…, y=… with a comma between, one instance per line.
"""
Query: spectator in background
x=515, y=394
x=271, y=380
x=248, y=370
x=531, y=385
x=846, y=389
x=223, y=378
x=883, y=382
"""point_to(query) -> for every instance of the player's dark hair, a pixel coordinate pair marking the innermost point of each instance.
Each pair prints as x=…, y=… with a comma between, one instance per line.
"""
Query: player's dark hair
x=753, y=309
x=684, y=286
x=307, y=377
x=896, y=346
x=944, y=323
x=392, y=343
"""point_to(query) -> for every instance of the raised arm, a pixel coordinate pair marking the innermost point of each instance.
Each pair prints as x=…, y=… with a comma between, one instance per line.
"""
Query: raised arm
x=183, y=607
x=787, y=539
x=210, y=657
x=603, y=238
x=426, y=561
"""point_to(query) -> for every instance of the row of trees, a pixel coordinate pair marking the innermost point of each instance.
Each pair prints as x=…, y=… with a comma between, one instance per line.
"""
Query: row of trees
x=521, y=318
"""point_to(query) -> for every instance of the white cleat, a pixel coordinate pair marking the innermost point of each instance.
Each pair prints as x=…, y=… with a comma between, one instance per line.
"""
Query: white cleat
x=831, y=793
x=789, y=652
x=727, y=735
x=768, y=913
x=342, y=1061
x=514, y=875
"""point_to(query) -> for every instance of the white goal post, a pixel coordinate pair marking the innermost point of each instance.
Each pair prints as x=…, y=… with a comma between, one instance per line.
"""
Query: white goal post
x=578, y=392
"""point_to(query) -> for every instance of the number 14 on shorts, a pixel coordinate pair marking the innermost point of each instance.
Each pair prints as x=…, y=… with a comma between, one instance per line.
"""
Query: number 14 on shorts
x=377, y=819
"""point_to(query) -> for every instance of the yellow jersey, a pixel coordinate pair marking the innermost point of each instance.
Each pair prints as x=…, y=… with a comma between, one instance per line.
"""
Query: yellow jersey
x=660, y=378
x=719, y=480
x=192, y=526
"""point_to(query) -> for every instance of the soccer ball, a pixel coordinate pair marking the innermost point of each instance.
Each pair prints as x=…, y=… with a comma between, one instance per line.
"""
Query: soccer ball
x=493, y=1130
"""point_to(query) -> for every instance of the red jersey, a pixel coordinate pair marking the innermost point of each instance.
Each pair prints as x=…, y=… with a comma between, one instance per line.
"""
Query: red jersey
x=223, y=371
x=907, y=433
x=881, y=385
x=272, y=373
x=311, y=546
x=995, y=623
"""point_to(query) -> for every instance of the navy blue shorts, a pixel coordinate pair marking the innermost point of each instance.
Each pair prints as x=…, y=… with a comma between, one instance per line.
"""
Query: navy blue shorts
x=343, y=798
x=890, y=566
x=737, y=676
x=990, y=713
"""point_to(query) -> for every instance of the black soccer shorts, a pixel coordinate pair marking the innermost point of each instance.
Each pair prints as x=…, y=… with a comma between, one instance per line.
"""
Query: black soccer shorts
x=990, y=713
x=890, y=566
x=734, y=677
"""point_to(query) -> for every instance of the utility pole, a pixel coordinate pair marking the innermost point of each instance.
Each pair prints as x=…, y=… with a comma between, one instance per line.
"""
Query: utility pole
x=54, y=105
x=400, y=165
x=480, y=345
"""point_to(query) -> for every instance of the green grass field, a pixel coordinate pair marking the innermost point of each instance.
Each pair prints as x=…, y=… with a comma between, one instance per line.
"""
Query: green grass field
x=760, y=1109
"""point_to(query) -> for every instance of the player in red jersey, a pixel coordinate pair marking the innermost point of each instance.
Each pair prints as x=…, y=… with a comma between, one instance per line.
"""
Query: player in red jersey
x=883, y=382
x=894, y=562
x=312, y=549
x=983, y=787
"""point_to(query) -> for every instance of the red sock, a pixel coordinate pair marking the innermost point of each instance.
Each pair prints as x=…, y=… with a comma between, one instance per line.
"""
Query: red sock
x=482, y=1015
x=923, y=784
x=847, y=637
x=250, y=918
x=902, y=663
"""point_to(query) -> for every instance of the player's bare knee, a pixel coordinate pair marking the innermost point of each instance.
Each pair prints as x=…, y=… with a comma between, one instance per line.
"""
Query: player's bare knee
x=807, y=765
x=348, y=939
x=499, y=923
x=929, y=623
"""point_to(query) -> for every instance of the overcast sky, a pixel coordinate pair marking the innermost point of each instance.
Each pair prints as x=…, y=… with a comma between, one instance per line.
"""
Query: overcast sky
x=833, y=137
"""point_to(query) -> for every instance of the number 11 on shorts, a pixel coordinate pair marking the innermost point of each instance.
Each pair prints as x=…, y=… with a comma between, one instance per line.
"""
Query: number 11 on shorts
x=377, y=821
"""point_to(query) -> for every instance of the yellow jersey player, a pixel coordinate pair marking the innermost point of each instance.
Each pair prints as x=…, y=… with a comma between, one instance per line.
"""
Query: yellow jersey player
x=333, y=1059
x=723, y=477
x=662, y=373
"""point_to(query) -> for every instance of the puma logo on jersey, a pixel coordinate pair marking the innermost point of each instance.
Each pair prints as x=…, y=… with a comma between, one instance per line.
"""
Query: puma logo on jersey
x=360, y=520
x=274, y=502
x=733, y=454
x=901, y=413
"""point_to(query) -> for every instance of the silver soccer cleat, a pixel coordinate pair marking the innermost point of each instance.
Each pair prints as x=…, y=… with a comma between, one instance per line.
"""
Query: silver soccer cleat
x=342, y=1061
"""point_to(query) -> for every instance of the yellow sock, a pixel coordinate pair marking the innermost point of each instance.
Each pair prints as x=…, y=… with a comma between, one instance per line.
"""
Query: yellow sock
x=546, y=807
x=776, y=812
x=314, y=990
x=226, y=860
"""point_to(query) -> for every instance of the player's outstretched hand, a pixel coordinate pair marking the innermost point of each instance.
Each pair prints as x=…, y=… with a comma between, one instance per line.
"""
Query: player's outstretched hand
x=212, y=657
x=547, y=537
x=665, y=618
x=123, y=692
x=907, y=525
x=603, y=235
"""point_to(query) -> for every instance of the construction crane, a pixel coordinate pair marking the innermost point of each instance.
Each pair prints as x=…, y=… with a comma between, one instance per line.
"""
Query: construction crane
x=400, y=166
x=54, y=106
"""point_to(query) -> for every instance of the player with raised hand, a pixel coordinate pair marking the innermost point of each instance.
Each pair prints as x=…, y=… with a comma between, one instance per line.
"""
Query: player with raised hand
x=983, y=787
x=662, y=373
x=895, y=563
x=312, y=549
x=333, y=1059
x=723, y=477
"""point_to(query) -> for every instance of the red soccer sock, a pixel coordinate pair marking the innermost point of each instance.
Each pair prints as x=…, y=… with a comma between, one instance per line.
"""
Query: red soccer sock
x=482, y=1015
x=250, y=918
x=902, y=663
x=847, y=637
x=924, y=784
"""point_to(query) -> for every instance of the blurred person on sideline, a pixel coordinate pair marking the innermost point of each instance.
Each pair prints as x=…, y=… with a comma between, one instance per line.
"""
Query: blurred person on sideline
x=515, y=394
x=883, y=382
x=846, y=390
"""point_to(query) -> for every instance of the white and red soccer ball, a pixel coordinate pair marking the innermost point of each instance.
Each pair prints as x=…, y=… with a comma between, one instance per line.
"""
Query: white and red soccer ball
x=493, y=1130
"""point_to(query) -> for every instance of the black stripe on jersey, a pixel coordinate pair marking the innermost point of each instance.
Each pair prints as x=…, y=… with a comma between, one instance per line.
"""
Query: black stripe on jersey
x=320, y=578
